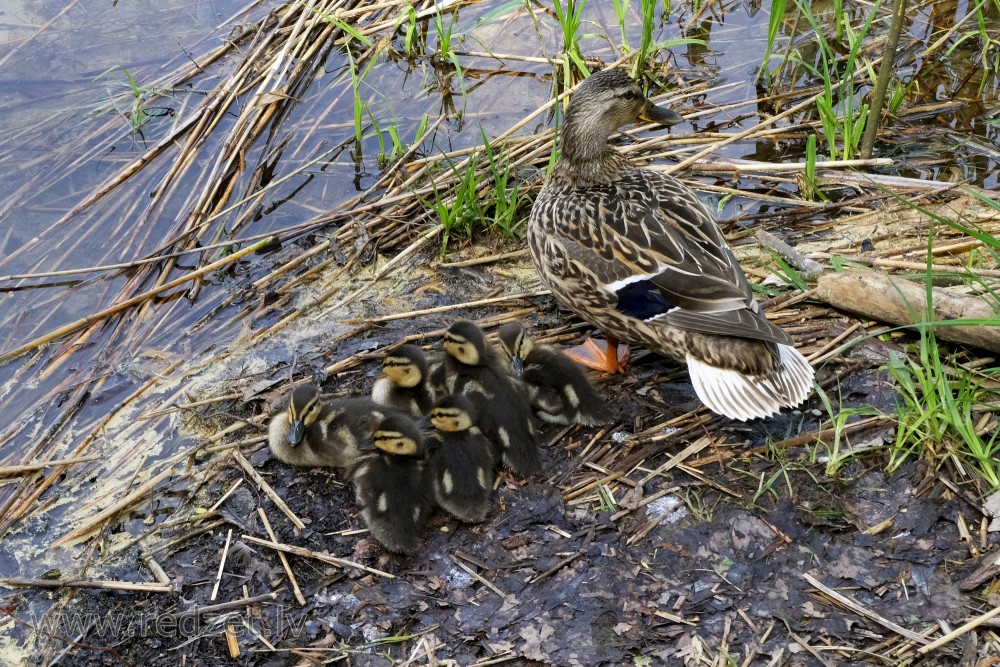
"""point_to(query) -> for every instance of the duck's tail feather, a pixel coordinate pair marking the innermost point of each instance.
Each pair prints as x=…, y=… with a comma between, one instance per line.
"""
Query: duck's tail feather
x=746, y=397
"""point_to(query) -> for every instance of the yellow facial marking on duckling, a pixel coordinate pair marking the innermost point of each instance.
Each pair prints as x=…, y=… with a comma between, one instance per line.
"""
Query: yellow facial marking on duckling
x=450, y=419
x=402, y=371
x=460, y=348
x=446, y=482
x=307, y=413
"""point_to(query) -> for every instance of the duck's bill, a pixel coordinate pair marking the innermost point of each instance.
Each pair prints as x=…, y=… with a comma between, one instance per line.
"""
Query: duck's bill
x=654, y=114
x=296, y=432
x=518, y=365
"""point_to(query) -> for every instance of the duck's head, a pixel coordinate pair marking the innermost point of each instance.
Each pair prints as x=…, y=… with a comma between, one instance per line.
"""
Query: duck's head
x=303, y=409
x=465, y=342
x=516, y=344
x=406, y=366
x=453, y=413
x=398, y=435
x=603, y=103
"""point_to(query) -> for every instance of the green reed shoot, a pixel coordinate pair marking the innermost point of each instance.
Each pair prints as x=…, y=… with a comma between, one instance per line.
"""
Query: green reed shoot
x=570, y=16
x=509, y=207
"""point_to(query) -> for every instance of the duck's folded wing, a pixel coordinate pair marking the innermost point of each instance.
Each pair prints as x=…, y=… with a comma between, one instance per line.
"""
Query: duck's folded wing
x=676, y=267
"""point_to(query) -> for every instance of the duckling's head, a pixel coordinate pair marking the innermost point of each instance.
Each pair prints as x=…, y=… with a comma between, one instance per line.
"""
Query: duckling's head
x=406, y=366
x=465, y=342
x=603, y=103
x=516, y=344
x=398, y=435
x=303, y=409
x=453, y=413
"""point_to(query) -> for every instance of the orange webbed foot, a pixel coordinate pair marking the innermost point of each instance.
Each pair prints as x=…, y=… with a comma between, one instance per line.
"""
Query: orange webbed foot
x=606, y=356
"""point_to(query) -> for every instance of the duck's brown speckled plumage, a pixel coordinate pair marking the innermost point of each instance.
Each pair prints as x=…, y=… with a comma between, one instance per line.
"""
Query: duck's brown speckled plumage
x=602, y=228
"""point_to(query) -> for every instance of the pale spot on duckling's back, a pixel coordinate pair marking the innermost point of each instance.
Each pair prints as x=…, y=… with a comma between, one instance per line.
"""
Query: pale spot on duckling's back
x=571, y=396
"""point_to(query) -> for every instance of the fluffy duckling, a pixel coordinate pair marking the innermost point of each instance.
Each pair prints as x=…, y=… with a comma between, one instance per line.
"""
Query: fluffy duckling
x=460, y=460
x=436, y=373
x=557, y=387
x=636, y=253
x=391, y=485
x=405, y=384
x=474, y=368
x=313, y=431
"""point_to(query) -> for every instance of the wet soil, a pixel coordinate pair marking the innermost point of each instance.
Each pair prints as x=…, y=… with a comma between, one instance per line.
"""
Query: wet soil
x=712, y=569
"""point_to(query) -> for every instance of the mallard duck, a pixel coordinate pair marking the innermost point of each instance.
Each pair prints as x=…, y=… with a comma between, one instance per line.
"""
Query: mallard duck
x=636, y=254
x=317, y=431
x=474, y=368
x=405, y=384
x=392, y=487
x=460, y=461
x=558, y=388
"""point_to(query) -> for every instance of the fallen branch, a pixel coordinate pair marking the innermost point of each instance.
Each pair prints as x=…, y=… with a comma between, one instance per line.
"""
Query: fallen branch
x=877, y=296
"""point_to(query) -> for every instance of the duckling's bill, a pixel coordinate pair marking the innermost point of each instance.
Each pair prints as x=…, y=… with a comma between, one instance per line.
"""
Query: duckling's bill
x=296, y=431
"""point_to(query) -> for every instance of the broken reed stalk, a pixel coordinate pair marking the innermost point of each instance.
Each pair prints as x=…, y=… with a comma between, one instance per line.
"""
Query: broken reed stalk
x=885, y=72
x=134, y=496
x=864, y=611
x=266, y=488
x=958, y=632
x=8, y=471
x=128, y=303
x=317, y=555
x=226, y=606
x=222, y=566
x=282, y=557
x=135, y=586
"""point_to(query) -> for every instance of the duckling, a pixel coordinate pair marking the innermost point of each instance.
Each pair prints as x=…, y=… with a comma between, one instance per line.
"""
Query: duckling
x=460, y=460
x=474, y=368
x=317, y=431
x=405, y=384
x=391, y=485
x=435, y=372
x=558, y=389
x=635, y=253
